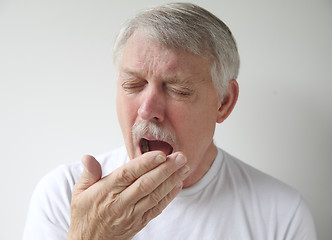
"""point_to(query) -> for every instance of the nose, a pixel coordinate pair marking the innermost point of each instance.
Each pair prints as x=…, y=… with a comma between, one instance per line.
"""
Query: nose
x=152, y=106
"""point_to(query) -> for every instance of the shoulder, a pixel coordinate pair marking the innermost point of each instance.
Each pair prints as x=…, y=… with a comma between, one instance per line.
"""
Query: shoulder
x=52, y=195
x=260, y=189
x=276, y=201
x=62, y=179
x=49, y=210
x=246, y=175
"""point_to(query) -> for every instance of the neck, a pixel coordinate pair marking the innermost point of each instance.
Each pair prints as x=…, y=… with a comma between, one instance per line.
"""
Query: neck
x=198, y=172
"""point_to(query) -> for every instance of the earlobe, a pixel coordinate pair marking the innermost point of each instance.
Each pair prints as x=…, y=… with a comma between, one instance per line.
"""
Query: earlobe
x=228, y=102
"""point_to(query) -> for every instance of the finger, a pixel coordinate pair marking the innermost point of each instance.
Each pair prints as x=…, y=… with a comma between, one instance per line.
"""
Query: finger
x=125, y=175
x=91, y=174
x=158, y=209
x=150, y=181
x=155, y=197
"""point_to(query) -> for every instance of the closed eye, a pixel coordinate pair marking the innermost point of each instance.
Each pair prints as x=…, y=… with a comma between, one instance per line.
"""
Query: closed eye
x=131, y=86
x=180, y=92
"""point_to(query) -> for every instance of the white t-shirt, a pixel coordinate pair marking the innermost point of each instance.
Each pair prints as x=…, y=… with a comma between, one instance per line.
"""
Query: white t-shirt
x=232, y=201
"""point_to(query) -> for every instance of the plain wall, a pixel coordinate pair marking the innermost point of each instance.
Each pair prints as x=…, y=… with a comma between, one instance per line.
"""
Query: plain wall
x=57, y=93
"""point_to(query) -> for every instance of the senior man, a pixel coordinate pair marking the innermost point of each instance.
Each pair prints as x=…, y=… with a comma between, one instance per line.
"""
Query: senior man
x=177, y=68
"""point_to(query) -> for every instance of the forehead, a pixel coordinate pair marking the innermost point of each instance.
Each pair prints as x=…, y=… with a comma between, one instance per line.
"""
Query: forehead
x=142, y=54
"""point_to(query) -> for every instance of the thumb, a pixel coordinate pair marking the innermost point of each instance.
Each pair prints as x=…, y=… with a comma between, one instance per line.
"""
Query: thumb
x=90, y=175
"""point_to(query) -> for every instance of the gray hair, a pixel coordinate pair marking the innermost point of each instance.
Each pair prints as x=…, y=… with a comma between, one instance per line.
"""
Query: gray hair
x=192, y=28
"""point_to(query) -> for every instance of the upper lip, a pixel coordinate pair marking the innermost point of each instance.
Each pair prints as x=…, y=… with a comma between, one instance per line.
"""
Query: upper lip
x=154, y=139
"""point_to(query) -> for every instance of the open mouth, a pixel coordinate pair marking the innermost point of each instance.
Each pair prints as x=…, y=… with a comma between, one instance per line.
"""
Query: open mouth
x=153, y=145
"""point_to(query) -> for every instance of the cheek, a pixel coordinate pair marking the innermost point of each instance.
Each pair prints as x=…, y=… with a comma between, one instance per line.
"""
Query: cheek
x=194, y=124
x=126, y=113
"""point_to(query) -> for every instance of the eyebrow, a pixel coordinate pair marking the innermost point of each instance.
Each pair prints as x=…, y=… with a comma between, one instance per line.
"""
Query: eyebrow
x=170, y=79
x=129, y=73
x=180, y=81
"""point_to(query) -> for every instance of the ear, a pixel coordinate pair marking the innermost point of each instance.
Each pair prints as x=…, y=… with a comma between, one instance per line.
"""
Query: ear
x=228, y=102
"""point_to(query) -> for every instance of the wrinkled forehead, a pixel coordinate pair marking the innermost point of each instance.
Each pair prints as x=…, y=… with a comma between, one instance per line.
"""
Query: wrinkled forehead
x=143, y=53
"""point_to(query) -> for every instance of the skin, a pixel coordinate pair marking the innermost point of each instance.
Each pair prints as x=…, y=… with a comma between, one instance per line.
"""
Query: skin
x=174, y=89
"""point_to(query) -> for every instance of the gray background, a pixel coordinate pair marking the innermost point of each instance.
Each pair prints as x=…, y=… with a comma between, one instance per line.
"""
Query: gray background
x=57, y=93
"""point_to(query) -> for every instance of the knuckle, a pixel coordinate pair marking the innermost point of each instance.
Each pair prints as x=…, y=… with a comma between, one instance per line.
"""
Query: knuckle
x=162, y=205
x=114, y=205
x=126, y=175
x=177, y=177
x=157, y=210
x=154, y=198
x=145, y=162
x=168, y=171
x=151, y=214
x=169, y=168
x=146, y=184
x=146, y=219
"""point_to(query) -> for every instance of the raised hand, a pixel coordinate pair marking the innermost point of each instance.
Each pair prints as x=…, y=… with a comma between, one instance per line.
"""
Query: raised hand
x=122, y=203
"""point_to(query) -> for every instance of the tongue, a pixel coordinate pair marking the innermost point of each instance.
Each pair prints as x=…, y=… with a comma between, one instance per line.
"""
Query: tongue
x=161, y=146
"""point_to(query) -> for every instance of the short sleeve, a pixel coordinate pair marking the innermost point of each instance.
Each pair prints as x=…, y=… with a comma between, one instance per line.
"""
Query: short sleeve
x=302, y=226
x=49, y=211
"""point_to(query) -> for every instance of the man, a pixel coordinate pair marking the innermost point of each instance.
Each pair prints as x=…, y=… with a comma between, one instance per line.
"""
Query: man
x=177, y=68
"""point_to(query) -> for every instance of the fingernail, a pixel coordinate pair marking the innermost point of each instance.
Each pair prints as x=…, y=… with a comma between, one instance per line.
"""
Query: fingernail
x=184, y=170
x=180, y=160
x=160, y=158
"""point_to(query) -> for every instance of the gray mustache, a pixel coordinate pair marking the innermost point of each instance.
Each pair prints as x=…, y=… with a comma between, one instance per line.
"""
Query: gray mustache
x=155, y=130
